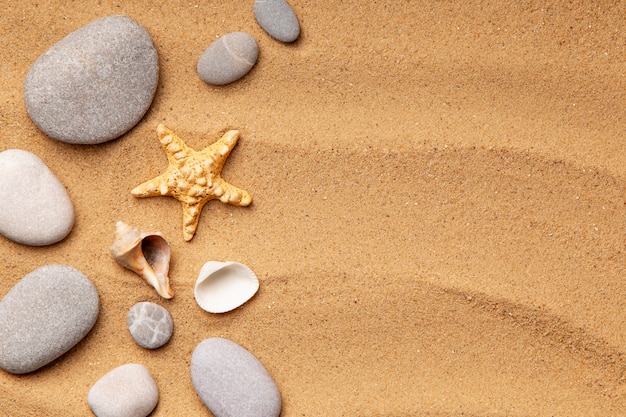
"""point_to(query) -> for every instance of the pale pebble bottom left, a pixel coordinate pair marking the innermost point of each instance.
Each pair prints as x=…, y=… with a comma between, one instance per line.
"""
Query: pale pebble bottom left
x=126, y=391
x=35, y=208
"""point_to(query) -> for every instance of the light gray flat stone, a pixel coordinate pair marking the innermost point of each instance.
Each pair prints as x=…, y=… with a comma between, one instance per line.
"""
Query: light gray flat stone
x=95, y=84
x=278, y=19
x=230, y=381
x=126, y=391
x=150, y=325
x=35, y=208
x=44, y=315
x=228, y=59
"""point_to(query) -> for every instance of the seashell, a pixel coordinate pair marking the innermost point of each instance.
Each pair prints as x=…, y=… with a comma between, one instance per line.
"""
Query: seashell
x=146, y=254
x=224, y=286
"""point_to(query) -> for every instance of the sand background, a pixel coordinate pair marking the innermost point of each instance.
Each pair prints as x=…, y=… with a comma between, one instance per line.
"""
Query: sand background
x=438, y=218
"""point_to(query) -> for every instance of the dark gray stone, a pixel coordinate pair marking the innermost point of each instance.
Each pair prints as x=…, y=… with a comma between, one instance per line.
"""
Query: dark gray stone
x=230, y=381
x=44, y=315
x=126, y=391
x=35, y=208
x=278, y=19
x=228, y=59
x=150, y=325
x=95, y=84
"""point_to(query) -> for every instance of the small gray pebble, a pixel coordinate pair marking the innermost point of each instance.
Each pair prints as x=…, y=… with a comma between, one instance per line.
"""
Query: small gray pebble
x=126, y=391
x=44, y=315
x=35, y=208
x=230, y=381
x=95, y=84
x=228, y=59
x=278, y=19
x=150, y=325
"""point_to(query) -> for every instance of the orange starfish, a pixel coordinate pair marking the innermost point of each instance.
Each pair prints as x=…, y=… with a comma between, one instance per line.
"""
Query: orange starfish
x=194, y=177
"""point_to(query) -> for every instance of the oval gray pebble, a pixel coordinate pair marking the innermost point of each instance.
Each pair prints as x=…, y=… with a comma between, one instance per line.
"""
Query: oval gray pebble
x=126, y=391
x=44, y=315
x=278, y=19
x=230, y=381
x=95, y=84
x=228, y=59
x=35, y=208
x=150, y=325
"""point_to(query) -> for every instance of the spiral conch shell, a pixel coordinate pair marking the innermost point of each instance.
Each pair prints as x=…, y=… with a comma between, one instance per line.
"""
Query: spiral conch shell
x=146, y=254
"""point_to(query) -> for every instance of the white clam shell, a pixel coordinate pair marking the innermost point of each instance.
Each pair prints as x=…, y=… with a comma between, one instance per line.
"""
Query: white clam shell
x=224, y=286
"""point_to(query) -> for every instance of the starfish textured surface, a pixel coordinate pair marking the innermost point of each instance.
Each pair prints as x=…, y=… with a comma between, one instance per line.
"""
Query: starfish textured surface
x=194, y=177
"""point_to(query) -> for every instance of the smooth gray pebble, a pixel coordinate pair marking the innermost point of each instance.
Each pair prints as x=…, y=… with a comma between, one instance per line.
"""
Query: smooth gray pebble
x=150, y=325
x=231, y=381
x=228, y=59
x=95, y=84
x=44, y=315
x=278, y=19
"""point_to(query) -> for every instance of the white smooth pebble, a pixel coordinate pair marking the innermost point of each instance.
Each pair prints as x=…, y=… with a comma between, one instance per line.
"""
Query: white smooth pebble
x=228, y=59
x=35, y=208
x=278, y=19
x=126, y=391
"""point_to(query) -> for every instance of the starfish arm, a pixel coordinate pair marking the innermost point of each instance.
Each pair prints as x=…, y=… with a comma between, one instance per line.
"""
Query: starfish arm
x=191, y=216
x=219, y=151
x=228, y=193
x=174, y=147
x=155, y=187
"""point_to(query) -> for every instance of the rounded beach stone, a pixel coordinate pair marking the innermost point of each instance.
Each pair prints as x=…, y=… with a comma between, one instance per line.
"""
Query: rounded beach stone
x=278, y=19
x=44, y=315
x=35, y=208
x=230, y=381
x=150, y=324
x=95, y=84
x=228, y=59
x=126, y=391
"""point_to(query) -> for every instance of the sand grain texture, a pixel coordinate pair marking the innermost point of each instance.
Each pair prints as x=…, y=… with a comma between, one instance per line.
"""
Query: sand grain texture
x=438, y=207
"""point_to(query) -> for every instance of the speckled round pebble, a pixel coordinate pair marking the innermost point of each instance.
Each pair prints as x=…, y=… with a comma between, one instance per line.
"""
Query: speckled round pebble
x=150, y=325
x=35, y=208
x=231, y=381
x=44, y=315
x=278, y=19
x=126, y=391
x=95, y=84
x=228, y=59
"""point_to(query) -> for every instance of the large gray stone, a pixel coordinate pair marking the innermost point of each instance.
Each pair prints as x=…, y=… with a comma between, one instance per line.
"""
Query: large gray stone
x=149, y=324
x=44, y=315
x=95, y=84
x=228, y=59
x=230, y=381
x=278, y=19
x=35, y=208
x=126, y=391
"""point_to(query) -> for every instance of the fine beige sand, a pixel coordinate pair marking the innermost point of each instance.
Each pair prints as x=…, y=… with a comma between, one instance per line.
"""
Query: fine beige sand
x=438, y=216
